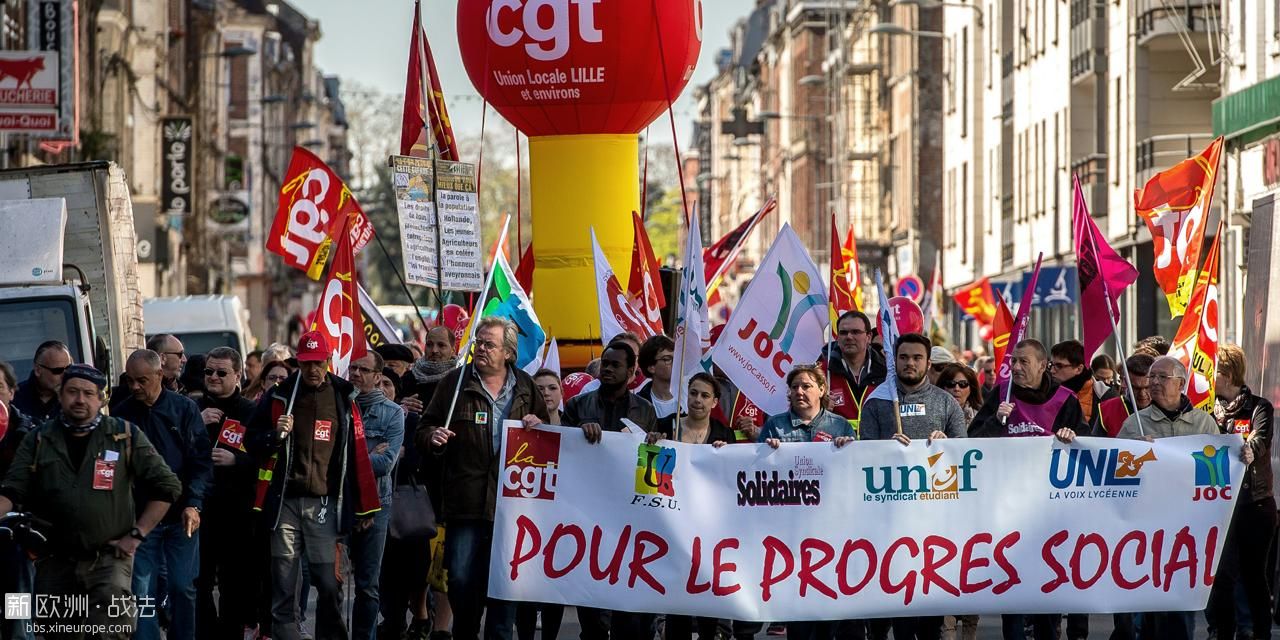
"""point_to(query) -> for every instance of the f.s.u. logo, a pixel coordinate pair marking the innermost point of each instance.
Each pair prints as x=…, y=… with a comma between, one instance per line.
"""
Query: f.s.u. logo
x=776, y=344
x=655, y=470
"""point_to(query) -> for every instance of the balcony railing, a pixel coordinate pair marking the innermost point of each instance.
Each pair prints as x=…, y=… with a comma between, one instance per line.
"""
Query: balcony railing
x=1154, y=19
x=1092, y=171
x=1088, y=38
x=1158, y=153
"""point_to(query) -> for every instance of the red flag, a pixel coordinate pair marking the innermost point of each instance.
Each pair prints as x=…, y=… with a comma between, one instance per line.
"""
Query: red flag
x=840, y=298
x=314, y=205
x=1196, y=343
x=644, y=289
x=424, y=101
x=1019, y=331
x=978, y=301
x=716, y=258
x=1103, y=276
x=1175, y=204
x=850, y=254
x=617, y=315
x=524, y=271
x=338, y=317
x=1002, y=329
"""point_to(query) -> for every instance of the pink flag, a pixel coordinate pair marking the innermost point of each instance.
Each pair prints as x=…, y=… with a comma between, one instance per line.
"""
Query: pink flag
x=1019, y=327
x=1103, y=276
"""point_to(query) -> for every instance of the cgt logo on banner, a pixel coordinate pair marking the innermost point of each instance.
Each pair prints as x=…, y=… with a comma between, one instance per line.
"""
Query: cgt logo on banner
x=995, y=543
x=531, y=467
x=781, y=319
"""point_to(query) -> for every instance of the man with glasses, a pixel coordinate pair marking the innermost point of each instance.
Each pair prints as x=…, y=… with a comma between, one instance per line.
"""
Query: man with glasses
x=383, y=421
x=1116, y=410
x=657, y=357
x=1067, y=365
x=172, y=357
x=37, y=396
x=229, y=504
x=857, y=369
x=1171, y=414
x=173, y=424
x=492, y=390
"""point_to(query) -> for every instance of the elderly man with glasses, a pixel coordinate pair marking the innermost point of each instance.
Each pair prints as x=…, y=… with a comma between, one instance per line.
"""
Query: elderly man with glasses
x=173, y=358
x=1171, y=414
x=488, y=390
x=37, y=396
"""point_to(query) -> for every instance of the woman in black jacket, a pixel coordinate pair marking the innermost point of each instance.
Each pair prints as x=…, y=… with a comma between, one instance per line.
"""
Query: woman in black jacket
x=1253, y=524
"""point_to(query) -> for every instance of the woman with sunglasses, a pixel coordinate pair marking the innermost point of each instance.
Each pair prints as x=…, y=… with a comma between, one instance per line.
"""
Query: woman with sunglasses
x=962, y=383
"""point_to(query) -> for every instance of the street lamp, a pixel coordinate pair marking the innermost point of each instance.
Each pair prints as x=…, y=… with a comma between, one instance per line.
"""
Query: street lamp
x=891, y=29
x=934, y=4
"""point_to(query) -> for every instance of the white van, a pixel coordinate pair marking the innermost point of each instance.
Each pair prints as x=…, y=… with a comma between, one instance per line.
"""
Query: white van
x=200, y=322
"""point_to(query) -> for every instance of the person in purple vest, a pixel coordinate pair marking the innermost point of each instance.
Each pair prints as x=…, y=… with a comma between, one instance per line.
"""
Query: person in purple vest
x=1038, y=406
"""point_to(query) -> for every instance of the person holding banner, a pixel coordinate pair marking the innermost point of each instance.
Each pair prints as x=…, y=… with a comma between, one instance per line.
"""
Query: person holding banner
x=463, y=425
x=1253, y=524
x=1116, y=410
x=807, y=419
x=698, y=426
x=857, y=370
x=604, y=409
x=1171, y=414
x=1037, y=406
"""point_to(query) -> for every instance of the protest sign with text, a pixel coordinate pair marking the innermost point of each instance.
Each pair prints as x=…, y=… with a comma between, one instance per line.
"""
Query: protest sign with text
x=874, y=529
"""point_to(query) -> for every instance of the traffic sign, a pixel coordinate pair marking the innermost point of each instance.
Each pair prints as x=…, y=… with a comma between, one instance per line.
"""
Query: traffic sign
x=911, y=286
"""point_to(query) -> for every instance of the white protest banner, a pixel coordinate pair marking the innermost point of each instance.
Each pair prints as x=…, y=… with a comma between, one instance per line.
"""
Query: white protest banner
x=780, y=320
x=874, y=529
x=414, y=182
x=458, y=208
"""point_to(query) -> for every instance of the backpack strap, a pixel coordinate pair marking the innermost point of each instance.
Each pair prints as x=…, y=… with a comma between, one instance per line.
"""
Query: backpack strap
x=127, y=435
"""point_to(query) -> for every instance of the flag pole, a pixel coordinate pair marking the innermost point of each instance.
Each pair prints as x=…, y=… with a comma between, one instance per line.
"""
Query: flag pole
x=1115, y=331
x=471, y=331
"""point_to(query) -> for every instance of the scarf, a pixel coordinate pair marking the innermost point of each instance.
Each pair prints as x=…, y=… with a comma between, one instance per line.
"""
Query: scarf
x=428, y=372
x=83, y=428
x=367, y=399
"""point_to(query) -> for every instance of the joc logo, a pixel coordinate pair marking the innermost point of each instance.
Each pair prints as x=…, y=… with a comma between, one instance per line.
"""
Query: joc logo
x=1108, y=467
x=655, y=476
x=532, y=464
x=777, y=342
x=1213, y=474
x=935, y=482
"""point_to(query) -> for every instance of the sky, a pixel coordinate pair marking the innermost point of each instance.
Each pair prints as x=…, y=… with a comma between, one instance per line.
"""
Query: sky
x=367, y=41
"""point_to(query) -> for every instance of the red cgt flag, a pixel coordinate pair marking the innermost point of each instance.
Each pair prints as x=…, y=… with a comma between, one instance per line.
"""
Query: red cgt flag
x=338, y=317
x=424, y=101
x=1002, y=329
x=1196, y=343
x=314, y=205
x=840, y=296
x=978, y=301
x=1175, y=205
x=644, y=289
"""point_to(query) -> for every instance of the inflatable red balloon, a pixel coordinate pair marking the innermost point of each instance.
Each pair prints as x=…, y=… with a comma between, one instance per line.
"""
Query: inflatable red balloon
x=572, y=385
x=455, y=319
x=985, y=332
x=556, y=67
x=906, y=313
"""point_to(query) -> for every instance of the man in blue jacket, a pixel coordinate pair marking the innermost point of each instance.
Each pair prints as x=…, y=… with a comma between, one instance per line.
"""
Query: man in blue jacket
x=384, y=434
x=173, y=424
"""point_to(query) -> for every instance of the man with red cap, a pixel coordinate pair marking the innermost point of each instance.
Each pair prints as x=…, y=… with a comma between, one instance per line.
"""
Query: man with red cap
x=316, y=484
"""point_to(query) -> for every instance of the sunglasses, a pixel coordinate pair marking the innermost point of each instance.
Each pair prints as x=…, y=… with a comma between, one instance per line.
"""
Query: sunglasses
x=360, y=369
x=216, y=372
x=57, y=371
x=956, y=384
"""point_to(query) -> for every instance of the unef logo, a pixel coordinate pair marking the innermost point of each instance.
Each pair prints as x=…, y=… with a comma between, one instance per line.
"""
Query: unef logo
x=532, y=466
x=937, y=481
x=1213, y=474
x=775, y=344
x=1108, y=467
x=655, y=476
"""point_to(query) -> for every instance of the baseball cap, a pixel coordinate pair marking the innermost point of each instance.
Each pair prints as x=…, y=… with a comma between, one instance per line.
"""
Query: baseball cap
x=313, y=347
x=87, y=373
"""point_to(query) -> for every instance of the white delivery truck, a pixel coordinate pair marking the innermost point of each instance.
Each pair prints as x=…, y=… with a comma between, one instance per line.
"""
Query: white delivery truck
x=200, y=322
x=68, y=265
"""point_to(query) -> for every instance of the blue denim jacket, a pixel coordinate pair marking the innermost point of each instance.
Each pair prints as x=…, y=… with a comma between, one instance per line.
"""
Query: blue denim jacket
x=788, y=427
x=383, y=422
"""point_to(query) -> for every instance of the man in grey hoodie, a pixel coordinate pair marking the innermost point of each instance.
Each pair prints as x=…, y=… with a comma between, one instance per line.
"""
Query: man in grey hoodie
x=927, y=411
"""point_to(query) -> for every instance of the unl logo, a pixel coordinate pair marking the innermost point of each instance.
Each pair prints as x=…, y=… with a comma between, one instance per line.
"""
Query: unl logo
x=1213, y=474
x=1108, y=467
x=532, y=465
